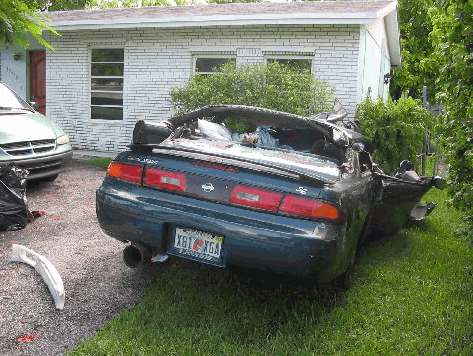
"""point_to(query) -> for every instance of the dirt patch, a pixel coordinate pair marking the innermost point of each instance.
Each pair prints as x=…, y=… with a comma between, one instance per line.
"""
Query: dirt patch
x=97, y=283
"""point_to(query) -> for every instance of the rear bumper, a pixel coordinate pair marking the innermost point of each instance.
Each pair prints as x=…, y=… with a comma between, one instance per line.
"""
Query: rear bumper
x=251, y=239
x=44, y=166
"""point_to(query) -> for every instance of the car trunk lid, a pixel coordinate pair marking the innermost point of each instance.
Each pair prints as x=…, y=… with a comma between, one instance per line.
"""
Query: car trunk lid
x=229, y=179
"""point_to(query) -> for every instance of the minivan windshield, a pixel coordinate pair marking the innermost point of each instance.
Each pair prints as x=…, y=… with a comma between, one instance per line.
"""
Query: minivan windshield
x=11, y=100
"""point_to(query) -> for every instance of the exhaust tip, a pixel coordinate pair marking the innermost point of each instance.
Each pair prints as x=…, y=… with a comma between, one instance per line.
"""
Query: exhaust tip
x=135, y=255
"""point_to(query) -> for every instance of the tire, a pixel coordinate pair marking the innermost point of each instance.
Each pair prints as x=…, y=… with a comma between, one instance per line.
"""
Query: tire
x=344, y=281
x=365, y=231
x=50, y=178
x=340, y=284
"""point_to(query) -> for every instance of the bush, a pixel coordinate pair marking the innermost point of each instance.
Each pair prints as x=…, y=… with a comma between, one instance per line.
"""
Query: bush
x=452, y=39
x=458, y=144
x=272, y=86
x=396, y=129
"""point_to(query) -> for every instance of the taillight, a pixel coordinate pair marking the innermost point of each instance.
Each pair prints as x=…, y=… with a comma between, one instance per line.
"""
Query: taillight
x=127, y=172
x=165, y=180
x=311, y=208
x=257, y=198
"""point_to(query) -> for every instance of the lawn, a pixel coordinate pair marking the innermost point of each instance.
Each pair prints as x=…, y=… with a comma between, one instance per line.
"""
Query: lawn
x=99, y=161
x=412, y=295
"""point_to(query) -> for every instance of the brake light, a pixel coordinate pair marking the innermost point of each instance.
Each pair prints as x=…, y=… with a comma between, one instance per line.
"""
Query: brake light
x=215, y=166
x=311, y=208
x=126, y=172
x=257, y=198
x=165, y=180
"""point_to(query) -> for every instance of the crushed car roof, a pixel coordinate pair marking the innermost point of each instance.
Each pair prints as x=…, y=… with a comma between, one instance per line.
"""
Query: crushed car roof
x=259, y=115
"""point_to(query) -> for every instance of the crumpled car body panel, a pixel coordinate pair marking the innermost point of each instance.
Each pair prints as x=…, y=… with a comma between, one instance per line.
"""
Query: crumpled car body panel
x=14, y=212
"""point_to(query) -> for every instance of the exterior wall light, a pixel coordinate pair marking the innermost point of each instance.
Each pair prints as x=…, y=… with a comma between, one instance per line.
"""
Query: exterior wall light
x=388, y=77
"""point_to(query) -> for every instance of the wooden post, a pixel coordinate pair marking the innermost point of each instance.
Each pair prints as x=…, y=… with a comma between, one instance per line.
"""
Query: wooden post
x=424, y=144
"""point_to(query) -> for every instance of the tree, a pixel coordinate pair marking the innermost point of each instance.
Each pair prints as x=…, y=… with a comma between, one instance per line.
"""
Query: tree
x=63, y=5
x=20, y=17
x=272, y=86
x=56, y=5
x=113, y=4
x=452, y=38
x=231, y=1
x=17, y=20
x=418, y=66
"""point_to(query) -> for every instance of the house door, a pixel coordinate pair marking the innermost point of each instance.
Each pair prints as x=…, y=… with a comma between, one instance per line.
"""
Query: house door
x=38, y=80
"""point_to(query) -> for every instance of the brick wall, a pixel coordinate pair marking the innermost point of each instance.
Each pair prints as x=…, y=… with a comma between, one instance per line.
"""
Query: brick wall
x=158, y=59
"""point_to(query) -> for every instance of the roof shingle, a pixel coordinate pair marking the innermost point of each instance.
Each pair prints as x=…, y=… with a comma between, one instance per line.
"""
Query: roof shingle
x=235, y=9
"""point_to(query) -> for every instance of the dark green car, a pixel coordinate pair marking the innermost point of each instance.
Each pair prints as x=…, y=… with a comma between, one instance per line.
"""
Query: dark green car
x=29, y=139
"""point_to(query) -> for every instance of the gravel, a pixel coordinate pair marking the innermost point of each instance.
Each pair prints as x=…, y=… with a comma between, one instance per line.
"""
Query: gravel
x=97, y=283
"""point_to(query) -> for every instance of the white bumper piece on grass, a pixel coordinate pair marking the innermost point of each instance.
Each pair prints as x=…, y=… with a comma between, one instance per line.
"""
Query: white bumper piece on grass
x=45, y=268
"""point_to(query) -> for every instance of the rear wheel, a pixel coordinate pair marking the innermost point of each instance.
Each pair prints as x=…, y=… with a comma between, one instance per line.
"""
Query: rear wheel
x=365, y=231
x=345, y=280
x=339, y=284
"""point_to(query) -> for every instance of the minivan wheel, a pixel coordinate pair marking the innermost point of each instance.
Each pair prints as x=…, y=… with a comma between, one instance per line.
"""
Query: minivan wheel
x=50, y=178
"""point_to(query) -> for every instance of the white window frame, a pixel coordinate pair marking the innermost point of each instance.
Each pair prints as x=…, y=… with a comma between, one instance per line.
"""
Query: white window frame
x=308, y=57
x=211, y=55
x=104, y=47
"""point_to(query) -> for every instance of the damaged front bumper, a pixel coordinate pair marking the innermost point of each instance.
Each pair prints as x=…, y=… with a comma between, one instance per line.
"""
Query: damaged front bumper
x=45, y=268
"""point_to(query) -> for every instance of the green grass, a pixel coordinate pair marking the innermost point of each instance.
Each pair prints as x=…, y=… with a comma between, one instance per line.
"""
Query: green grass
x=412, y=295
x=99, y=161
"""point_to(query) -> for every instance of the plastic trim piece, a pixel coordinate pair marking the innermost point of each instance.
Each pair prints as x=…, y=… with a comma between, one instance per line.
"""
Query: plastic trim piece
x=45, y=268
x=159, y=258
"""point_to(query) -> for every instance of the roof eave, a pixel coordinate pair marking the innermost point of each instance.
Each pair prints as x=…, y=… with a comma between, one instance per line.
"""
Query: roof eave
x=393, y=38
x=232, y=20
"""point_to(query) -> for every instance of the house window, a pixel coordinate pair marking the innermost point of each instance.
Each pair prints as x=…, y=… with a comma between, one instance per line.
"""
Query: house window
x=106, y=91
x=297, y=63
x=210, y=65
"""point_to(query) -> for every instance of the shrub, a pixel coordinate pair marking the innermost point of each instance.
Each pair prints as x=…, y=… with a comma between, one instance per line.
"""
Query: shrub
x=272, y=86
x=458, y=142
x=452, y=39
x=396, y=129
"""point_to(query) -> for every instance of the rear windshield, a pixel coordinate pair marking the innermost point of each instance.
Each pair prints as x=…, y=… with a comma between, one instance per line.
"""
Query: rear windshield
x=304, y=140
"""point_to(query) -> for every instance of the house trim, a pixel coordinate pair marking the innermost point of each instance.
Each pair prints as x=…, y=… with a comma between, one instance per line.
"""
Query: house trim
x=227, y=20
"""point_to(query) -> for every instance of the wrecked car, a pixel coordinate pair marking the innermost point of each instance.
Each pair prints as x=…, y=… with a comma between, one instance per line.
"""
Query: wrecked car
x=252, y=187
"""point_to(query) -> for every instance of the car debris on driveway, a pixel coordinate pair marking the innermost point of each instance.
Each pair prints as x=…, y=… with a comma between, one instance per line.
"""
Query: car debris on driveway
x=45, y=268
x=14, y=212
x=97, y=283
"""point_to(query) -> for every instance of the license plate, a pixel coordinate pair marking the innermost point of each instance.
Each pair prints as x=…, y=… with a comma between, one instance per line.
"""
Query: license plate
x=198, y=245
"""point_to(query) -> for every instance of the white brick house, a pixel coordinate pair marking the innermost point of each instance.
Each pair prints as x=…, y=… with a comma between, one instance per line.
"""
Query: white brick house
x=111, y=68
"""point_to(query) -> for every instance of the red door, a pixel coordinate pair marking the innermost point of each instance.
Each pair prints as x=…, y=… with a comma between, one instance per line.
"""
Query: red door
x=38, y=79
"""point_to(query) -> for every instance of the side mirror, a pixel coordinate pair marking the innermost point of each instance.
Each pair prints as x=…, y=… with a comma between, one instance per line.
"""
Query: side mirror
x=439, y=182
x=34, y=105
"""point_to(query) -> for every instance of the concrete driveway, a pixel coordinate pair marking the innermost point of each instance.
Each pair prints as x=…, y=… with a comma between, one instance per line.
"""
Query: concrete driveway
x=97, y=283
